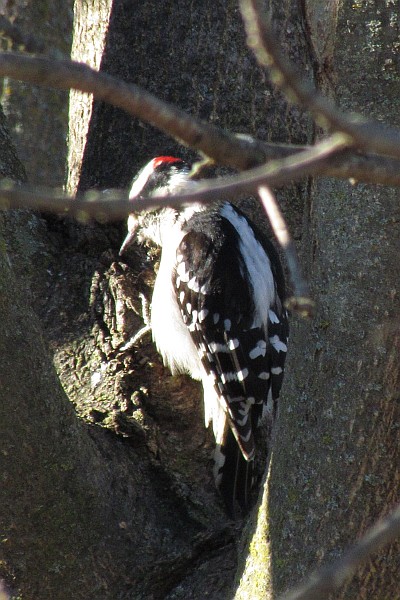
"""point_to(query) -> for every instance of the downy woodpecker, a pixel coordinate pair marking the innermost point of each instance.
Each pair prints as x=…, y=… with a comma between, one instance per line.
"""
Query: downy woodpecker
x=217, y=314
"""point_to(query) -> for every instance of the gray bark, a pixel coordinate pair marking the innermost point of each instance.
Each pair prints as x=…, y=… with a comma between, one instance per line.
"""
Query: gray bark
x=121, y=503
x=37, y=117
x=336, y=458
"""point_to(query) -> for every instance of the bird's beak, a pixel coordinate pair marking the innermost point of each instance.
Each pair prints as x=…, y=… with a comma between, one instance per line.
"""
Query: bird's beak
x=132, y=228
x=127, y=242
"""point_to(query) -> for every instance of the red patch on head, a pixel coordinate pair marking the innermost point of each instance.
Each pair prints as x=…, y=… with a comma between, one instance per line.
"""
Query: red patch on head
x=160, y=160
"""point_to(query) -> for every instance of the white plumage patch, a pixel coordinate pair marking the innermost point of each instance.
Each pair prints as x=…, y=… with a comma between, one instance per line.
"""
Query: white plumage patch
x=259, y=350
x=141, y=180
x=203, y=314
x=257, y=262
x=183, y=274
x=276, y=370
x=273, y=317
x=170, y=327
x=193, y=284
x=227, y=377
x=278, y=344
x=241, y=375
x=264, y=375
x=233, y=344
x=216, y=347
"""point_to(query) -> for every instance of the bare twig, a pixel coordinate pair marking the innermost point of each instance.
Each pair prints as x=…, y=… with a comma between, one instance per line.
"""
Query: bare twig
x=115, y=205
x=328, y=579
x=223, y=147
x=366, y=168
x=363, y=133
x=300, y=302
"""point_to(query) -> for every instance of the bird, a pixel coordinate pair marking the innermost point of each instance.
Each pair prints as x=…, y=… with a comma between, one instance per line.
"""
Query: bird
x=217, y=314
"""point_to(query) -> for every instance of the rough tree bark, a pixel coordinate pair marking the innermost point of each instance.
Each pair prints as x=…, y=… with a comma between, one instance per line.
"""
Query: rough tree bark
x=91, y=20
x=196, y=57
x=335, y=468
x=122, y=504
x=28, y=107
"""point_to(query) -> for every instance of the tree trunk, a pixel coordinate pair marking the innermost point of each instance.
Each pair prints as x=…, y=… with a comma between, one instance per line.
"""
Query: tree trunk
x=335, y=466
x=121, y=503
x=28, y=107
x=90, y=29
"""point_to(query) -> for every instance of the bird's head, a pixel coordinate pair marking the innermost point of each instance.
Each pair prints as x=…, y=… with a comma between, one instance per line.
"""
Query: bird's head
x=162, y=176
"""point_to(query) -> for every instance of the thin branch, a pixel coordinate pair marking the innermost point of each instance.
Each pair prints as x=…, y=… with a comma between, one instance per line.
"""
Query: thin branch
x=223, y=147
x=330, y=578
x=366, y=168
x=111, y=206
x=369, y=135
x=348, y=164
x=300, y=302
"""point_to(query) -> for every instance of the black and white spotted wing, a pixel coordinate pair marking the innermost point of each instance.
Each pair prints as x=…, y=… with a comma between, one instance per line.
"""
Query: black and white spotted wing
x=217, y=305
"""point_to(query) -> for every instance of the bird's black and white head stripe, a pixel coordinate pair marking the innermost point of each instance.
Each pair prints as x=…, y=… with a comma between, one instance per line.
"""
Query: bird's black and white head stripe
x=162, y=176
x=217, y=314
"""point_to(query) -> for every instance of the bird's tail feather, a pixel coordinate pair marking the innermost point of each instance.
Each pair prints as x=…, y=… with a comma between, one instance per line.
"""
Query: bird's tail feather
x=233, y=476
